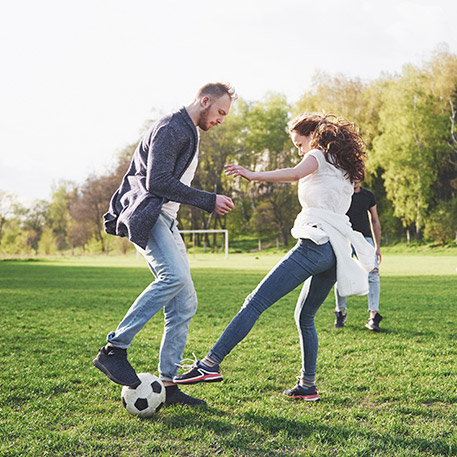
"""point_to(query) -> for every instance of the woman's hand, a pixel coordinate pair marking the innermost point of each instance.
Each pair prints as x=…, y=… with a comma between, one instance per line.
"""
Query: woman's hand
x=238, y=170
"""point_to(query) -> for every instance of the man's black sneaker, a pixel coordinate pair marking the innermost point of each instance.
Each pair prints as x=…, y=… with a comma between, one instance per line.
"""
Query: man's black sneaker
x=373, y=323
x=340, y=319
x=176, y=397
x=113, y=362
x=199, y=373
x=304, y=393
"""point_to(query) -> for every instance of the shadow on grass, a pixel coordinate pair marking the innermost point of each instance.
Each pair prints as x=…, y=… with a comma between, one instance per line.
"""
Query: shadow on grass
x=252, y=435
x=386, y=331
x=21, y=259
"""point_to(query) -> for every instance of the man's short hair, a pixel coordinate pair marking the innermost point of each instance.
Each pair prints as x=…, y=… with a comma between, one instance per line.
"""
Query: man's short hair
x=217, y=90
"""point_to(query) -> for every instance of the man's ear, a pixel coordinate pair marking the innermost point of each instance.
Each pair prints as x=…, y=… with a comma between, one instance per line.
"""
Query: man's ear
x=205, y=101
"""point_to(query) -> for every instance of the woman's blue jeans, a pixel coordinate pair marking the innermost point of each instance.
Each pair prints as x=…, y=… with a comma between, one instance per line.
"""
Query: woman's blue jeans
x=173, y=291
x=308, y=263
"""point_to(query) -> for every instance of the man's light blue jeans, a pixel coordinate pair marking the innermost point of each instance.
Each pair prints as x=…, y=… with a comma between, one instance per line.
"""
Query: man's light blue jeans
x=172, y=290
x=308, y=263
x=374, y=288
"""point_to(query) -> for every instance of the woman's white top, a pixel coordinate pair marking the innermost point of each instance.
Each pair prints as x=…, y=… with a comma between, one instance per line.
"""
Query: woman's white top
x=325, y=196
x=327, y=188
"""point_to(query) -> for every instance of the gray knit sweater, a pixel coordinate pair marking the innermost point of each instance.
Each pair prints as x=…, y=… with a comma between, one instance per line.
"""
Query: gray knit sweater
x=153, y=178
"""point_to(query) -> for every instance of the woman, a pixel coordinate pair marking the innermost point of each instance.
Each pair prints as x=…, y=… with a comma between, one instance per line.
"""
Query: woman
x=333, y=158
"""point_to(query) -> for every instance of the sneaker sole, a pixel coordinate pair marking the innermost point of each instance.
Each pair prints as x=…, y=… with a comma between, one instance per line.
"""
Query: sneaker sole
x=304, y=397
x=103, y=369
x=372, y=329
x=182, y=403
x=205, y=378
x=186, y=402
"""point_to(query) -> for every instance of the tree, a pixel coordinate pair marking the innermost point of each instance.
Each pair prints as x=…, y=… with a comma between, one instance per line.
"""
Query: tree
x=34, y=222
x=413, y=148
x=59, y=212
x=337, y=94
x=269, y=145
x=90, y=204
x=217, y=147
x=7, y=205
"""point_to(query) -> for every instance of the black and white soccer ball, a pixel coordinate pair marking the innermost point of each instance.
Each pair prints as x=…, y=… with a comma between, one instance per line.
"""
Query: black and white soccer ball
x=147, y=398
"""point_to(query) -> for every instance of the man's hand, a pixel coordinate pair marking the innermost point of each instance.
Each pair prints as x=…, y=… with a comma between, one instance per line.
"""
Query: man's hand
x=378, y=255
x=223, y=204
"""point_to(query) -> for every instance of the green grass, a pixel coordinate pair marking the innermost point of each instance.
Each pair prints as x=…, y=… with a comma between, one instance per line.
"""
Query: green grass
x=387, y=394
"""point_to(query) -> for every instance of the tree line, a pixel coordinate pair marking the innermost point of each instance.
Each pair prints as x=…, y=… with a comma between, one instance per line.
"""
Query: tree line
x=408, y=121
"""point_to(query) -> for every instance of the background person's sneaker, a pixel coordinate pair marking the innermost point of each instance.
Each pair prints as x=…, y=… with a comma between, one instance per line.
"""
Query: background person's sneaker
x=373, y=323
x=340, y=319
x=113, y=362
x=199, y=373
x=304, y=393
x=176, y=397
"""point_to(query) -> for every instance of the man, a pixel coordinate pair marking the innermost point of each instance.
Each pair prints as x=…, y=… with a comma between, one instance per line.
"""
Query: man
x=144, y=209
x=364, y=218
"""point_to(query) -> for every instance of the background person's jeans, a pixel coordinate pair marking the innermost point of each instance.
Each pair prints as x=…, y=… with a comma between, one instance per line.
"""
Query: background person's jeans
x=173, y=290
x=306, y=262
x=374, y=287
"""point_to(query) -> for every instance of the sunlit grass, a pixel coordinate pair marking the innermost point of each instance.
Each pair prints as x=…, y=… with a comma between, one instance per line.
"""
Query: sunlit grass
x=389, y=394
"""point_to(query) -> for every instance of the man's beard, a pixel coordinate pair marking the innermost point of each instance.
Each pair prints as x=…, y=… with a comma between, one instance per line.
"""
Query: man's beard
x=203, y=120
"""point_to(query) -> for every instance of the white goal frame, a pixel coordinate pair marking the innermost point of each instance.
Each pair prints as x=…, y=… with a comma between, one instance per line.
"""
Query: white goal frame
x=225, y=232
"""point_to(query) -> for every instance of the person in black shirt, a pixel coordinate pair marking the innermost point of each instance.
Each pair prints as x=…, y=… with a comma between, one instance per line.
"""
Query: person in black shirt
x=364, y=218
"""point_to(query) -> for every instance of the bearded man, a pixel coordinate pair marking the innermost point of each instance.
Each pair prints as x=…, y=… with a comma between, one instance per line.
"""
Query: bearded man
x=144, y=209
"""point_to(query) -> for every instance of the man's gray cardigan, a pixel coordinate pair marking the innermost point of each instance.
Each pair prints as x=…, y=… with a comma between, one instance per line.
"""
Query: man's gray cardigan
x=159, y=161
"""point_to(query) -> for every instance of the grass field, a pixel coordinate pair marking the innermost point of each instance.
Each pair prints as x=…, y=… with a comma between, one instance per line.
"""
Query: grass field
x=387, y=394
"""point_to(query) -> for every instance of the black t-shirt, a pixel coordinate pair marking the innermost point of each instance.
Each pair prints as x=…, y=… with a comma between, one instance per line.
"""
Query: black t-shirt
x=358, y=211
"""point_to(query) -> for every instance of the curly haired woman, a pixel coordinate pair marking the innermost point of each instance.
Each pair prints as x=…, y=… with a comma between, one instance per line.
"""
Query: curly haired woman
x=333, y=158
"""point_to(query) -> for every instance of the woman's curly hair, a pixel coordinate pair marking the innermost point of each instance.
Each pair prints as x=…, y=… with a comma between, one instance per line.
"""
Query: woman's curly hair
x=337, y=138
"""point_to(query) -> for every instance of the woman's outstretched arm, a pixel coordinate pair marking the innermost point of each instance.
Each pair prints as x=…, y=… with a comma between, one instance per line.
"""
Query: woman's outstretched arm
x=307, y=166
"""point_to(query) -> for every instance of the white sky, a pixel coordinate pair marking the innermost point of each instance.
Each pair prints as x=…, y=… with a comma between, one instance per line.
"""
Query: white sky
x=79, y=79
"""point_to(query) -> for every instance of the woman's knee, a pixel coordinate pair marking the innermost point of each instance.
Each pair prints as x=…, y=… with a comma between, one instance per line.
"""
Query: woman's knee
x=304, y=319
x=254, y=303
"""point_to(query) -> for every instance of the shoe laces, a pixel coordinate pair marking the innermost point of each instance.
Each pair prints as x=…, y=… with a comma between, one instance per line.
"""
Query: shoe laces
x=187, y=366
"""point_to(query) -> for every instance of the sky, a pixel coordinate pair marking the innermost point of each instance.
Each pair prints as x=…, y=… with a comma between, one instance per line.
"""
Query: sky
x=80, y=80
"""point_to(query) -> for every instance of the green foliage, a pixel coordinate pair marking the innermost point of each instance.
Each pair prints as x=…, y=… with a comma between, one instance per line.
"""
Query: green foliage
x=408, y=122
x=8, y=206
x=337, y=94
x=387, y=394
x=441, y=226
x=255, y=136
x=404, y=154
x=412, y=147
x=47, y=245
x=16, y=241
x=59, y=213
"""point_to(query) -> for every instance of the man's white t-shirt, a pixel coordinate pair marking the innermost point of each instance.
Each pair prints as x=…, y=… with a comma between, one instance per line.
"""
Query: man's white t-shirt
x=171, y=208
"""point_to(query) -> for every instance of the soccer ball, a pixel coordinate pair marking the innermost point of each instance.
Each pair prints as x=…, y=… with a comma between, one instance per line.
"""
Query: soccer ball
x=147, y=398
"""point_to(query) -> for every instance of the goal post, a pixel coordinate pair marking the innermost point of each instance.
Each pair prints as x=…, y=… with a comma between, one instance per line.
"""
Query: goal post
x=225, y=232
